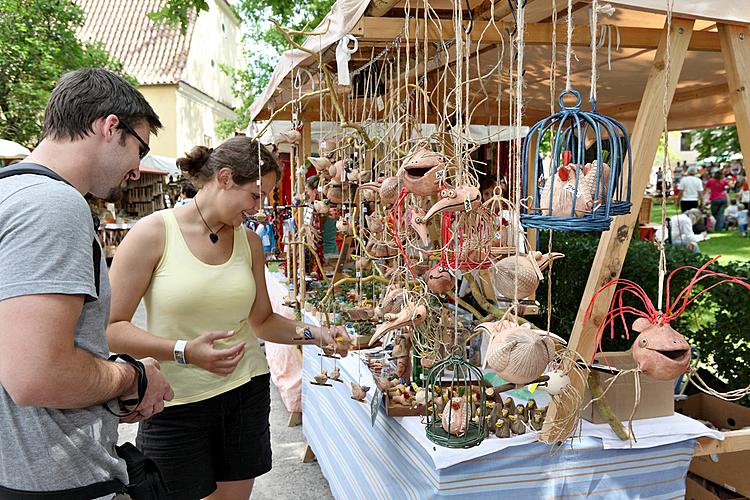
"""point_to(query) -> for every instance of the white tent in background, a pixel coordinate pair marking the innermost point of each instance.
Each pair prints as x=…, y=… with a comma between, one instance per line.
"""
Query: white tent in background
x=10, y=149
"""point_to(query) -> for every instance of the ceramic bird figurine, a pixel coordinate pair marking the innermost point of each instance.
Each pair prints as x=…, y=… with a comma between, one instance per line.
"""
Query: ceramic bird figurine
x=417, y=222
x=660, y=351
x=519, y=354
x=321, y=377
x=335, y=193
x=422, y=172
x=375, y=223
x=462, y=198
x=510, y=405
x=320, y=164
x=290, y=137
x=502, y=428
x=456, y=416
x=517, y=426
x=410, y=315
x=439, y=279
x=537, y=421
x=531, y=405
x=334, y=374
x=559, y=195
x=360, y=313
x=389, y=190
x=504, y=273
x=320, y=206
x=359, y=391
x=521, y=413
x=392, y=302
x=362, y=264
x=336, y=171
x=403, y=368
x=343, y=227
x=401, y=346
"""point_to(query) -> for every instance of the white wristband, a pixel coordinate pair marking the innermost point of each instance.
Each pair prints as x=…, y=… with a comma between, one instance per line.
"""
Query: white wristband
x=179, y=352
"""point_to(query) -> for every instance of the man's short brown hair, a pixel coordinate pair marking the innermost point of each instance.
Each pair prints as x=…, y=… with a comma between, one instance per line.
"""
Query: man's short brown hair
x=83, y=96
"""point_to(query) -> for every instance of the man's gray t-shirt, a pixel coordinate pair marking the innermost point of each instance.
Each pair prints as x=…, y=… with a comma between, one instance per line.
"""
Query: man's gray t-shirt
x=46, y=238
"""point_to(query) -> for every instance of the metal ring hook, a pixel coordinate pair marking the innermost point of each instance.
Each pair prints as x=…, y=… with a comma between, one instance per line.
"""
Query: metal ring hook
x=470, y=28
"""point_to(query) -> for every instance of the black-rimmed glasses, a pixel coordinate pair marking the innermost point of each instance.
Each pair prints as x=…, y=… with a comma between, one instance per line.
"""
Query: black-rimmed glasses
x=144, y=148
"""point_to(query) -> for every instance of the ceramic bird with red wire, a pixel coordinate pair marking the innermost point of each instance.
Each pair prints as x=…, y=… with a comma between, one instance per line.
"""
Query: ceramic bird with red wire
x=659, y=351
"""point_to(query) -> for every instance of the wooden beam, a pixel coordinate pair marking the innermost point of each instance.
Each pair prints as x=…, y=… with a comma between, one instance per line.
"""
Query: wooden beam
x=386, y=29
x=735, y=48
x=613, y=245
x=379, y=8
x=733, y=441
x=682, y=96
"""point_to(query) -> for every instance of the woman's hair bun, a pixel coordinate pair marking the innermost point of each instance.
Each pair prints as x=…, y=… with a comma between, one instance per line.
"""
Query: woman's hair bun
x=194, y=161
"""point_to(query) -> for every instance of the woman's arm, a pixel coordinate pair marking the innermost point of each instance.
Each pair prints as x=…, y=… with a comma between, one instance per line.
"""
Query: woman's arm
x=130, y=275
x=273, y=327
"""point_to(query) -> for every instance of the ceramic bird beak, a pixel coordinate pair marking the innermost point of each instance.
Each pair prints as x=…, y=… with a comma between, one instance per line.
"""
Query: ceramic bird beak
x=290, y=136
x=455, y=199
x=417, y=221
x=409, y=315
x=320, y=163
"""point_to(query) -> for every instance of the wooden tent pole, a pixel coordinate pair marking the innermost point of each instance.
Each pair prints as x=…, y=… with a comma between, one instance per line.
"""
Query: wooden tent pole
x=735, y=48
x=303, y=151
x=613, y=245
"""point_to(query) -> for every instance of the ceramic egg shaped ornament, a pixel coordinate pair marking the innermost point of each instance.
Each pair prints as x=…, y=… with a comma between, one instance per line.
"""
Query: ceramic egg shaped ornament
x=660, y=351
x=557, y=383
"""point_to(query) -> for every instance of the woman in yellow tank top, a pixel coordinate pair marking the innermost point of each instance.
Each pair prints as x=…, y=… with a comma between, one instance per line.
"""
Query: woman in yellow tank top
x=201, y=276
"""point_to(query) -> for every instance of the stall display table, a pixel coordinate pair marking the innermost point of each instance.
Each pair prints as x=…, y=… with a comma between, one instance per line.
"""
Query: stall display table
x=394, y=459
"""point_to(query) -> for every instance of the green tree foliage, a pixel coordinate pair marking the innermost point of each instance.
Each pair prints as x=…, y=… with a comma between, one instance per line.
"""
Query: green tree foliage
x=37, y=45
x=263, y=42
x=720, y=142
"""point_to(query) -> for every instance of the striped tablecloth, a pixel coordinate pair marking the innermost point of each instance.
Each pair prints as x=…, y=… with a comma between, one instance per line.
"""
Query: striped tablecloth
x=362, y=461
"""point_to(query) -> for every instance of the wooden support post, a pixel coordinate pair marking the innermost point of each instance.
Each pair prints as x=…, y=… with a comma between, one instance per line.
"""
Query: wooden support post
x=304, y=149
x=735, y=47
x=613, y=245
x=308, y=455
x=295, y=418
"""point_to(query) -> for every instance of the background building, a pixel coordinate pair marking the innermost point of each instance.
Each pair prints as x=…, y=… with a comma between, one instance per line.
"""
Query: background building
x=180, y=74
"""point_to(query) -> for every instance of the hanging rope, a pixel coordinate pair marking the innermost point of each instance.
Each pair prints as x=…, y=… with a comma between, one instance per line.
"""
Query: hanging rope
x=569, y=47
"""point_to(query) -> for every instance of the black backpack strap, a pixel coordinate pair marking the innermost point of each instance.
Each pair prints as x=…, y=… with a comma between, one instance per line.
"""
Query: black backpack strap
x=90, y=491
x=37, y=169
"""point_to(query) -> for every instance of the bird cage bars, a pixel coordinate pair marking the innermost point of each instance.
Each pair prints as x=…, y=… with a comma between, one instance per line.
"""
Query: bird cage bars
x=576, y=195
x=457, y=422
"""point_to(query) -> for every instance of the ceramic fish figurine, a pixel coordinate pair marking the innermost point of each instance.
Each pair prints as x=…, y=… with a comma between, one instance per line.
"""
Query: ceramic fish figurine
x=660, y=351
x=456, y=416
x=334, y=374
x=504, y=273
x=422, y=172
x=389, y=190
x=410, y=315
x=517, y=426
x=502, y=428
x=439, y=279
x=519, y=354
x=321, y=378
x=359, y=391
x=462, y=198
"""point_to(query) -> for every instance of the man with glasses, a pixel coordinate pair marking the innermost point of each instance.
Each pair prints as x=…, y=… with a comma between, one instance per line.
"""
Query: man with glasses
x=60, y=398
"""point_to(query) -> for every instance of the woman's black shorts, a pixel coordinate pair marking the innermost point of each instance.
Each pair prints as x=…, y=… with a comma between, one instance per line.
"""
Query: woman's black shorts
x=223, y=438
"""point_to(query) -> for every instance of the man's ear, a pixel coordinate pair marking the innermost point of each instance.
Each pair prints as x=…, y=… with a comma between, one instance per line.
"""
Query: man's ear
x=107, y=127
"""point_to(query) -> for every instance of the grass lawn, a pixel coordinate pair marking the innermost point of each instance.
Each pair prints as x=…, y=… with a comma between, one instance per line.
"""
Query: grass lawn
x=728, y=244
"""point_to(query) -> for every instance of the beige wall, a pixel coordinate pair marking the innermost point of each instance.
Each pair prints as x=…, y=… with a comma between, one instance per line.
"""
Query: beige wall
x=197, y=118
x=163, y=98
x=217, y=40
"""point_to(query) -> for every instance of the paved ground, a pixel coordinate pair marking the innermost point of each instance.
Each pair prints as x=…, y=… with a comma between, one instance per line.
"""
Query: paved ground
x=289, y=478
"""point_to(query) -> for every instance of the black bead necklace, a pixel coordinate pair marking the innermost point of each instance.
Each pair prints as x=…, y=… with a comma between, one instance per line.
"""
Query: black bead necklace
x=213, y=236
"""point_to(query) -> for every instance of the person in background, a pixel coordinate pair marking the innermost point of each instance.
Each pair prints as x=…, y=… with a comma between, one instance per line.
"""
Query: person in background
x=730, y=214
x=201, y=275
x=717, y=191
x=690, y=190
x=187, y=192
x=55, y=379
x=487, y=187
x=742, y=219
x=743, y=190
x=681, y=229
x=326, y=224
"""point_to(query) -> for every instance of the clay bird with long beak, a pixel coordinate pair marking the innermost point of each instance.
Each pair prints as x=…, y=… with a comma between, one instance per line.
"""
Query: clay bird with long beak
x=462, y=198
x=410, y=315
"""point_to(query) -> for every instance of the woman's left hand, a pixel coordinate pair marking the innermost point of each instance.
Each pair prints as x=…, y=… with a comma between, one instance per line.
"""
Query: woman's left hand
x=336, y=336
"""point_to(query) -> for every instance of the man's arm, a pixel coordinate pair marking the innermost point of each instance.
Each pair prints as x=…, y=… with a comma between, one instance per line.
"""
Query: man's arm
x=40, y=364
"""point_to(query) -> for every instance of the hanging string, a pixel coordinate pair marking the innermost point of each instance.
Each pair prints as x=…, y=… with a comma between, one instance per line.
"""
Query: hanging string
x=665, y=164
x=553, y=62
x=520, y=37
x=569, y=47
x=594, y=32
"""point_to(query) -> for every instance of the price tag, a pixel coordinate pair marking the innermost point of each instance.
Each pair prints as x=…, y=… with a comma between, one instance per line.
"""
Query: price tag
x=308, y=215
x=467, y=204
x=377, y=399
x=381, y=104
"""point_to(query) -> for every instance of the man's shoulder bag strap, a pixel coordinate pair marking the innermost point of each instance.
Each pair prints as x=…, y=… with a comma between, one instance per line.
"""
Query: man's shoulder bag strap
x=36, y=169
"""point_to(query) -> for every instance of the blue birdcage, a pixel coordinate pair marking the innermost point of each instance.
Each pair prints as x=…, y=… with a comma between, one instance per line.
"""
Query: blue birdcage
x=584, y=187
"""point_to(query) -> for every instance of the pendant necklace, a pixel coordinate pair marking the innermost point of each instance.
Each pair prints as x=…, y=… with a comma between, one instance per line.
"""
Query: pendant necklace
x=213, y=236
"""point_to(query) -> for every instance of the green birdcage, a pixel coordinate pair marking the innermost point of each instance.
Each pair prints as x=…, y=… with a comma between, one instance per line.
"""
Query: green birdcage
x=459, y=421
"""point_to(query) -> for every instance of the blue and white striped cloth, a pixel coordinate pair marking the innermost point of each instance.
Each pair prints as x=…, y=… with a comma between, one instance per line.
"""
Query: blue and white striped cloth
x=383, y=461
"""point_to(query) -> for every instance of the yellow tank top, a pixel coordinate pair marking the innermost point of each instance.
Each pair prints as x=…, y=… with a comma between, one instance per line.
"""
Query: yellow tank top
x=187, y=297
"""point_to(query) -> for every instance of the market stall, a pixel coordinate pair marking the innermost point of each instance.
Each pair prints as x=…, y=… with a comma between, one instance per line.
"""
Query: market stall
x=441, y=261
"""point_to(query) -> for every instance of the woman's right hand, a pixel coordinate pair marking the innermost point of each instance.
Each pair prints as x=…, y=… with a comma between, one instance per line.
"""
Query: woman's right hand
x=201, y=352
